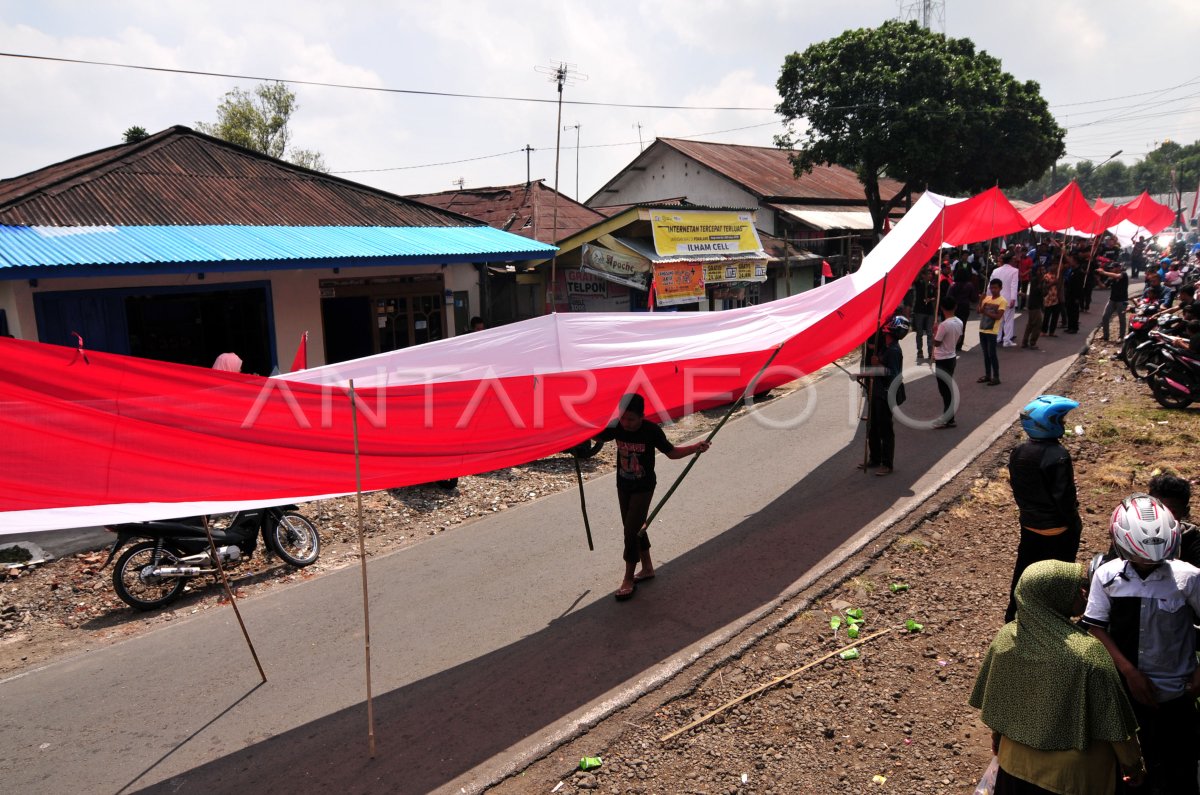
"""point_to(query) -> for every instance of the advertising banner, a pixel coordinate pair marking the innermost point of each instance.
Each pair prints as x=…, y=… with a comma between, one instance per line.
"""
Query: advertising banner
x=746, y=271
x=623, y=269
x=709, y=232
x=678, y=283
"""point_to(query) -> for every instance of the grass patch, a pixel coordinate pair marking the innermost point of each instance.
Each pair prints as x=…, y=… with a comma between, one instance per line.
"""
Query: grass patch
x=863, y=584
x=913, y=544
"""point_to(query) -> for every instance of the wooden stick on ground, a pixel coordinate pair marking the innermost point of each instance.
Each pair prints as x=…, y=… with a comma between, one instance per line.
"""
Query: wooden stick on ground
x=212, y=545
x=362, y=556
x=705, y=718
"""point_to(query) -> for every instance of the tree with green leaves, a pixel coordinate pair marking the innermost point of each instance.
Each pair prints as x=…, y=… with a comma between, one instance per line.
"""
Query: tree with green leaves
x=259, y=120
x=929, y=111
x=134, y=134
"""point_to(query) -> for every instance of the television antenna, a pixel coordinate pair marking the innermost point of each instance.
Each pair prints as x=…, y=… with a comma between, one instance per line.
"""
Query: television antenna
x=560, y=73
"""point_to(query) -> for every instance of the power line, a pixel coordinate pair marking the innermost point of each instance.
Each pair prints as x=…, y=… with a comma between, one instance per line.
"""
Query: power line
x=502, y=98
x=533, y=149
x=380, y=89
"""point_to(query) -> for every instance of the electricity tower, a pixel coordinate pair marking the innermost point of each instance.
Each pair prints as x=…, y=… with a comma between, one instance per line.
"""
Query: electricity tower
x=931, y=14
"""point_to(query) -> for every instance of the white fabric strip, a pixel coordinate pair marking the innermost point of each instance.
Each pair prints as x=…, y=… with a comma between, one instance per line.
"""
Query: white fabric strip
x=595, y=341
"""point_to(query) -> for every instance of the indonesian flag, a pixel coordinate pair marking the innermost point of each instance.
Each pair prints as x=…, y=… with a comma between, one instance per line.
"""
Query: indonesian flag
x=121, y=439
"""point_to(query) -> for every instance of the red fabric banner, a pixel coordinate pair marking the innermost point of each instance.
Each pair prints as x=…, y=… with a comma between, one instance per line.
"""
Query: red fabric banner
x=983, y=217
x=121, y=439
x=1065, y=210
x=1147, y=213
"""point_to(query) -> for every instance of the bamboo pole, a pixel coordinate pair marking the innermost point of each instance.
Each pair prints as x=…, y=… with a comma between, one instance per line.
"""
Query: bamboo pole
x=362, y=557
x=212, y=545
x=733, y=702
x=749, y=390
x=937, y=296
x=587, y=526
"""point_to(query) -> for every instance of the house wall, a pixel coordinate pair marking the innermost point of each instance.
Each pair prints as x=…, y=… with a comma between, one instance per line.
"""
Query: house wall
x=672, y=174
x=295, y=294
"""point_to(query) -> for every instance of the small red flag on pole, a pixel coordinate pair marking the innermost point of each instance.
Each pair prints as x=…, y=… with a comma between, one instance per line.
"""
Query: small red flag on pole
x=301, y=360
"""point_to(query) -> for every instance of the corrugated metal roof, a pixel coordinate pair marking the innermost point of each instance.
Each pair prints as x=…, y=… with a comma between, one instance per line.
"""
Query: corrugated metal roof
x=764, y=171
x=524, y=209
x=180, y=176
x=767, y=171
x=23, y=247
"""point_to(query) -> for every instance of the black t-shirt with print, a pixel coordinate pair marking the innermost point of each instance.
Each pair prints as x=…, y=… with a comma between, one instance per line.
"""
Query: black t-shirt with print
x=635, y=454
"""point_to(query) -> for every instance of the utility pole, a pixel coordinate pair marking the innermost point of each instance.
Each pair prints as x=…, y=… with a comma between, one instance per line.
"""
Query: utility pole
x=559, y=74
x=528, y=149
x=575, y=127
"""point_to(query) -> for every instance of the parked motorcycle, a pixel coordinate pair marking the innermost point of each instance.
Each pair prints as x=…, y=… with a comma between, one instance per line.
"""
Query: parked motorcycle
x=1176, y=382
x=153, y=573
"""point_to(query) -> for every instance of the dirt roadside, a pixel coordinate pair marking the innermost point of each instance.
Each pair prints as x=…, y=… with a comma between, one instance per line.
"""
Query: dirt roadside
x=896, y=719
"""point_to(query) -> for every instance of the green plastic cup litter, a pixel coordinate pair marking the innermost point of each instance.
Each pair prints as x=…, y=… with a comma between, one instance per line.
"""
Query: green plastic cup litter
x=835, y=622
x=850, y=654
x=590, y=762
x=852, y=632
x=897, y=587
x=913, y=626
x=855, y=614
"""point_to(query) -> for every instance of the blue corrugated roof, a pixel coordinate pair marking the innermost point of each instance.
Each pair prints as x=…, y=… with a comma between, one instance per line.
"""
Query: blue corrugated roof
x=23, y=247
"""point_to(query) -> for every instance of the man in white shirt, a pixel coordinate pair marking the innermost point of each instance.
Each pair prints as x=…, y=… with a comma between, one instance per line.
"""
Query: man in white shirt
x=1010, y=285
x=946, y=335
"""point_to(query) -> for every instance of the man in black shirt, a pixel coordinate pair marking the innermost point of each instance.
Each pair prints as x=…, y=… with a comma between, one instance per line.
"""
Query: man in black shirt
x=1118, y=296
x=637, y=438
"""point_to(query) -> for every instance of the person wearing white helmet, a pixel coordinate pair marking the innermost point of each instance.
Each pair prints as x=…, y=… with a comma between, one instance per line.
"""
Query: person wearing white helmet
x=1142, y=606
x=1042, y=478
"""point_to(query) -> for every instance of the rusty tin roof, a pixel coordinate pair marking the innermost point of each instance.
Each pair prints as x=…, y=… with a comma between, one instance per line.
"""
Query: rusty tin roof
x=523, y=209
x=183, y=177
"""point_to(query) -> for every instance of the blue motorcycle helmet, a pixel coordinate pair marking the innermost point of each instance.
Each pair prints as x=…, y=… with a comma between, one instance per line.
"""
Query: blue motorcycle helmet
x=1043, y=417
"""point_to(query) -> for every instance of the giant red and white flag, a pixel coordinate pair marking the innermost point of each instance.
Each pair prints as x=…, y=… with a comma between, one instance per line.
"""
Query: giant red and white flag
x=116, y=438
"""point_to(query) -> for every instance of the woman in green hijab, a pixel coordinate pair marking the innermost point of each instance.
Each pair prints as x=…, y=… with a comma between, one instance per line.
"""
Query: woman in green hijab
x=1060, y=719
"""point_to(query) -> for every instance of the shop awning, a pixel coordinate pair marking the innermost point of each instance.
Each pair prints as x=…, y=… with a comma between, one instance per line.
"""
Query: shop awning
x=826, y=217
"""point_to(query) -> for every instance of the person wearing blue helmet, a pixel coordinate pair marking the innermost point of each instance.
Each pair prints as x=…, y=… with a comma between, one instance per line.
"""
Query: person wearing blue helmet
x=1042, y=477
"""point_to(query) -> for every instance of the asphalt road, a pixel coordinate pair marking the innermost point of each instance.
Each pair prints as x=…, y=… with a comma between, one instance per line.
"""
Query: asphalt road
x=489, y=639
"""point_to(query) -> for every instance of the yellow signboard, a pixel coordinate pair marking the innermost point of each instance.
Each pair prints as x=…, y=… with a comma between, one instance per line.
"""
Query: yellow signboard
x=703, y=232
x=754, y=270
x=678, y=283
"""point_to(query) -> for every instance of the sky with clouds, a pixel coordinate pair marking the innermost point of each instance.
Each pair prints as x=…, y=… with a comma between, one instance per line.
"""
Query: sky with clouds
x=1117, y=76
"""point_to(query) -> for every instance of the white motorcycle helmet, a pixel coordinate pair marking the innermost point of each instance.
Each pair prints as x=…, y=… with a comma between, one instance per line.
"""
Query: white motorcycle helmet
x=1143, y=530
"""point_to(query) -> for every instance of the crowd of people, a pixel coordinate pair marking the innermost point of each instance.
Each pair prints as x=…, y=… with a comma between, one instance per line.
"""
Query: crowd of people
x=1107, y=703
x=1092, y=686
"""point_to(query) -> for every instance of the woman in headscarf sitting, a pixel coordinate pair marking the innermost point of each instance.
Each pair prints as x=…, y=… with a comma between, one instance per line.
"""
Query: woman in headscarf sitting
x=1060, y=719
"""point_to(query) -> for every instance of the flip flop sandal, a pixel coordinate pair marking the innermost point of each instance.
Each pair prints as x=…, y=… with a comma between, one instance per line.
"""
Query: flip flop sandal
x=622, y=595
x=643, y=577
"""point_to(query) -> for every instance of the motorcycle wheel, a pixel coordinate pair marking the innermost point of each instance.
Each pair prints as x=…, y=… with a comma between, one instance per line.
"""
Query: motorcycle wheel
x=293, y=538
x=1143, y=361
x=1167, y=397
x=1128, y=347
x=146, y=593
